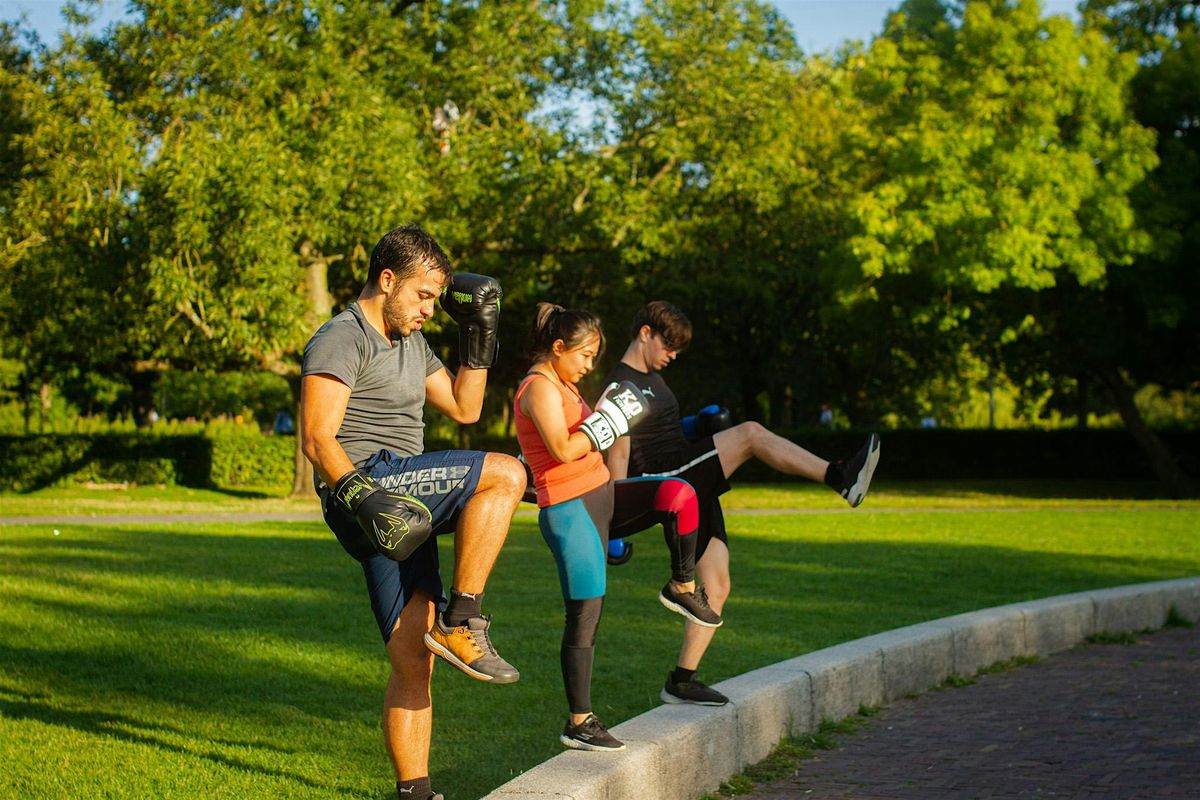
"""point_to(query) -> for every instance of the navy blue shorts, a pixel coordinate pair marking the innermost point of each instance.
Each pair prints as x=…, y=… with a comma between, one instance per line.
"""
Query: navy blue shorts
x=444, y=481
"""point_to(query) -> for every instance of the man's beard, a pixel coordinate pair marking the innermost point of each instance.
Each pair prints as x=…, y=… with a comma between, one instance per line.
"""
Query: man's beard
x=397, y=322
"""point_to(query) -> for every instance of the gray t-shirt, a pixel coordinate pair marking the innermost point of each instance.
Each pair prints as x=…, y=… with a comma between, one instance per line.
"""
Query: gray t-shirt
x=386, y=380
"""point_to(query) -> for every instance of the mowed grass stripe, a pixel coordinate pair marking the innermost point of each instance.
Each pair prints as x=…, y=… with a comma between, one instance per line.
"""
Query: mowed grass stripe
x=243, y=661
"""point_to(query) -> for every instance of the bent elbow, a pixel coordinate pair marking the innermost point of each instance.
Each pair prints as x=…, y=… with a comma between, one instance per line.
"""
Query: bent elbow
x=310, y=447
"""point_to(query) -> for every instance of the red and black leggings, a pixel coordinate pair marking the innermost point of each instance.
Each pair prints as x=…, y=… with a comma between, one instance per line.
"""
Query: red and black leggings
x=641, y=503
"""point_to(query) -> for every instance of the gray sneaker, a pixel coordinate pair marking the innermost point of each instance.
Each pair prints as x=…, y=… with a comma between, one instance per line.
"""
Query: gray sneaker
x=693, y=692
x=469, y=648
x=693, y=605
x=590, y=735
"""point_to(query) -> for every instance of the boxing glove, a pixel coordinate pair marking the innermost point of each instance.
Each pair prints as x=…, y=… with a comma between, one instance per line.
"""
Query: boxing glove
x=473, y=302
x=396, y=523
x=619, y=551
x=619, y=408
x=706, y=422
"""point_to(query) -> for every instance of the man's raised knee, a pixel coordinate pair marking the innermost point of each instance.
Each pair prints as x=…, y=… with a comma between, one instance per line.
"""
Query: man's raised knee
x=752, y=430
x=504, y=473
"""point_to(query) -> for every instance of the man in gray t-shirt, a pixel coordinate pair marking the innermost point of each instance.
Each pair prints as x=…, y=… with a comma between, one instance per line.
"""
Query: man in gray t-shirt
x=368, y=374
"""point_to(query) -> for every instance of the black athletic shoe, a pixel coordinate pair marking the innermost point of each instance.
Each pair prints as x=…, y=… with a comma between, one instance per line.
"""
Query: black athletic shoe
x=693, y=692
x=858, y=471
x=693, y=605
x=590, y=735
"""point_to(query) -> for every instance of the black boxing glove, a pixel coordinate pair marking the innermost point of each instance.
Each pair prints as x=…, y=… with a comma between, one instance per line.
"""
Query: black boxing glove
x=396, y=523
x=473, y=301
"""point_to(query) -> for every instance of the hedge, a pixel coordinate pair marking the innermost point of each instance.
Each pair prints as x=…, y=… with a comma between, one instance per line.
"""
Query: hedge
x=33, y=462
x=950, y=454
x=238, y=459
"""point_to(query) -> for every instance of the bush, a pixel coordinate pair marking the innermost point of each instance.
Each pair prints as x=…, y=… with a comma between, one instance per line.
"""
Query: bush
x=228, y=455
x=218, y=456
x=949, y=454
x=251, y=459
x=34, y=462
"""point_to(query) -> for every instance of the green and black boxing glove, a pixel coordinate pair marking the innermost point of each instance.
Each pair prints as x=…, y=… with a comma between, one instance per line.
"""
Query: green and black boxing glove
x=396, y=523
x=473, y=301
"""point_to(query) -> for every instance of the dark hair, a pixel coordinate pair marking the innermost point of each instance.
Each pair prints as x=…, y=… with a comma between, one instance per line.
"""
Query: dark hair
x=552, y=322
x=405, y=251
x=667, y=321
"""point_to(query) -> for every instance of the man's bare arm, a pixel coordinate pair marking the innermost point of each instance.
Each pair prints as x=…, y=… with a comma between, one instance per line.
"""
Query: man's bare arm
x=459, y=397
x=618, y=459
x=323, y=400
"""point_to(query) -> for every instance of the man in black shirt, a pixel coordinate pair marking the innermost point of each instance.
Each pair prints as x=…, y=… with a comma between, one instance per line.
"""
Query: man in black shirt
x=658, y=447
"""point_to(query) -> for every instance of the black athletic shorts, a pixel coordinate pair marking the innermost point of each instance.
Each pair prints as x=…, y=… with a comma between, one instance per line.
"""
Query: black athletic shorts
x=703, y=471
x=443, y=480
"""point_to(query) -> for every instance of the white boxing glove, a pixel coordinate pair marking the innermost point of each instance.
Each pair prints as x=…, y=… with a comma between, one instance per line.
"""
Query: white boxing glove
x=620, y=407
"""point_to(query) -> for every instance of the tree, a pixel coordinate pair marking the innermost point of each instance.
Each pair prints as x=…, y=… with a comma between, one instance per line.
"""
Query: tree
x=72, y=286
x=254, y=153
x=999, y=203
x=714, y=191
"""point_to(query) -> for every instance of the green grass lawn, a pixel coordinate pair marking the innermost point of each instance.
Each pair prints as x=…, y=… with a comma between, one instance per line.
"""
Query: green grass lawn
x=242, y=661
x=82, y=501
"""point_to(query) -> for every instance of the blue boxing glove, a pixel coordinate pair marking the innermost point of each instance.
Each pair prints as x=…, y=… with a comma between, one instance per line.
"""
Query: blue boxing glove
x=619, y=551
x=707, y=421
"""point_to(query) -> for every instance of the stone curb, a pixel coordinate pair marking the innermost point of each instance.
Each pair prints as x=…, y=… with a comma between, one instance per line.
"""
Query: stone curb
x=680, y=752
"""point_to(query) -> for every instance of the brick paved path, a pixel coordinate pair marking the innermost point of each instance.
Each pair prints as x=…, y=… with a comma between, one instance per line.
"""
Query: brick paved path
x=1099, y=721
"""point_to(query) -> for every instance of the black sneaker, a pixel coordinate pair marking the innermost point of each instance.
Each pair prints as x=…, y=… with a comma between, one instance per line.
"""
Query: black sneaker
x=693, y=605
x=693, y=692
x=590, y=735
x=858, y=471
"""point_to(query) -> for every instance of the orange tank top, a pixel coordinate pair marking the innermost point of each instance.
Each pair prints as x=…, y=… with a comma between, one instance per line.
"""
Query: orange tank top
x=555, y=481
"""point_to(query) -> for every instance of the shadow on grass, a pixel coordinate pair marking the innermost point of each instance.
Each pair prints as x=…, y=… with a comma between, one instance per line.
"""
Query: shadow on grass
x=173, y=617
x=247, y=494
x=1031, y=489
x=107, y=725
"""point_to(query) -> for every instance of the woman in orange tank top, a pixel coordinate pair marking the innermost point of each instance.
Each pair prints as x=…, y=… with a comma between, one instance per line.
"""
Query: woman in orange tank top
x=561, y=439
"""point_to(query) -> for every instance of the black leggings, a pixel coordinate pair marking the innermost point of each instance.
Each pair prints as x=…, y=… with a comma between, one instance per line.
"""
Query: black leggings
x=578, y=651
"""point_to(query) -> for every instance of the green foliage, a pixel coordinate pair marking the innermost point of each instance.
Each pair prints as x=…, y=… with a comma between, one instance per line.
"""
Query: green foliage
x=217, y=455
x=224, y=394
x=974, y=192
x=246, y=458
x=34, y=462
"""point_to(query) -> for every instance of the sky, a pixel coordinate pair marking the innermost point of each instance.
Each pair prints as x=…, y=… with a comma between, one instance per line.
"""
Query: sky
x=820, y=25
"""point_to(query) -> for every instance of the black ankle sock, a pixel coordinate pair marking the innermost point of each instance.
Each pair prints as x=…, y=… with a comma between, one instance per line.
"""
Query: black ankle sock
x=681, y=675
x=462, y=606
x=414, y=789
x=834, y=478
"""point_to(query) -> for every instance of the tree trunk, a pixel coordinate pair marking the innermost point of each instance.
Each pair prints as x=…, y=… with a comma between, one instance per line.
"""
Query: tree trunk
x=43, y=406
x=1176, y=481
x=302, y=478
x=316, y=274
